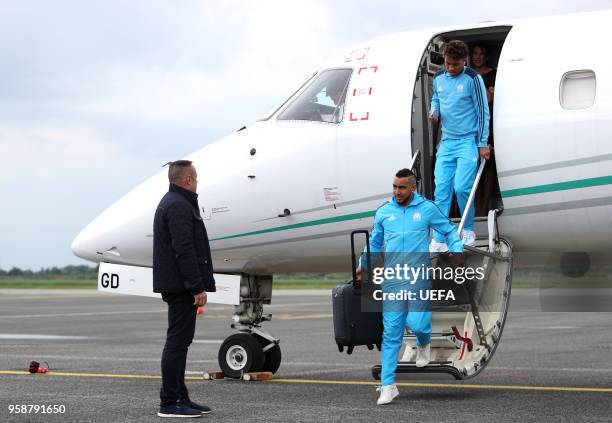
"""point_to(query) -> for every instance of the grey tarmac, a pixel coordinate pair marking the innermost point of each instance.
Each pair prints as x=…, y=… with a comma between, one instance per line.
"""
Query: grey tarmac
x=104, y=353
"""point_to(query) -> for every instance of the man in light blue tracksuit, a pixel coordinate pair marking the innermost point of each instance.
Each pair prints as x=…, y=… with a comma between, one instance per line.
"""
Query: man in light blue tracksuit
x=401, y=229
x=459, y=101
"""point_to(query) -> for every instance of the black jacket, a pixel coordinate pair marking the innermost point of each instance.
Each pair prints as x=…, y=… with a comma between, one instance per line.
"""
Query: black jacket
x=181, y=253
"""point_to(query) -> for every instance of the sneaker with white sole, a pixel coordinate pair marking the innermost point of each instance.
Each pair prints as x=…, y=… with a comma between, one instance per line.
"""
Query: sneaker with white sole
x=423, y=355
x=178, y=409
x=387, y=393
x=437, y=247
x=468, y=238
x=204, y=409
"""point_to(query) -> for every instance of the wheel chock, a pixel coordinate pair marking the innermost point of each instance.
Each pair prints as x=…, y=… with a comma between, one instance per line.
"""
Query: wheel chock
x=213, y=375
x=257, y=376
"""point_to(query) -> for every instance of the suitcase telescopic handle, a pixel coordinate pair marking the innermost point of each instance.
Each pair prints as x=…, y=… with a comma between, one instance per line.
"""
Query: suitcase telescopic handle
x=354, y=258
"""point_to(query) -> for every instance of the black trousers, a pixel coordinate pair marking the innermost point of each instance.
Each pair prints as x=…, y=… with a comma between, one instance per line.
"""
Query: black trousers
x=181, y=329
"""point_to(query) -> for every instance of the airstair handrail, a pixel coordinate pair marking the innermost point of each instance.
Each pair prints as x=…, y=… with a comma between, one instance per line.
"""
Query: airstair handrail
x=472, y=195
x=415, y=157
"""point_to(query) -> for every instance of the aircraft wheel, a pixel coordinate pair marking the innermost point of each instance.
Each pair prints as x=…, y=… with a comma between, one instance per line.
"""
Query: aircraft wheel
x=376, y=372
x=273, y=356
x=240, y=353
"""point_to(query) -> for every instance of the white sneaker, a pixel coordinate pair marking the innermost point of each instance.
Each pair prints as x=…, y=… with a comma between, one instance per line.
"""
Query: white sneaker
x=468, y=238
x=423, y=355
x=437, y=247
x=387, y=393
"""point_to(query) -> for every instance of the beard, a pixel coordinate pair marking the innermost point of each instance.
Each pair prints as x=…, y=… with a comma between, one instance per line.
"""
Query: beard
x=406, y=200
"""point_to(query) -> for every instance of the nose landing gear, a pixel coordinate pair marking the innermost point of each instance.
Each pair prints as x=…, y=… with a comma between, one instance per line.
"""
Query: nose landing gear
x=252, y=349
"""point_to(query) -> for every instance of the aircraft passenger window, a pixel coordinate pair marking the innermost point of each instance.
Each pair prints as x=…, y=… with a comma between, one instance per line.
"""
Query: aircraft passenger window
x=323, y=100
x=577, y=89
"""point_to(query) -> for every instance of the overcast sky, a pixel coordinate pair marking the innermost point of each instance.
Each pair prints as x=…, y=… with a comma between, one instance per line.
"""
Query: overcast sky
x=96, y=96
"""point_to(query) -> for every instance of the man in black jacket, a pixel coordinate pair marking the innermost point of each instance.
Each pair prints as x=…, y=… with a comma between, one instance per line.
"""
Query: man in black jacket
x=182, y=273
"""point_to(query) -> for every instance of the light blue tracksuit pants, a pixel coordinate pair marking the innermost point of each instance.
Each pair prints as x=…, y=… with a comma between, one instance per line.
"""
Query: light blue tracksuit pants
x=456, y=167
x=413, y=314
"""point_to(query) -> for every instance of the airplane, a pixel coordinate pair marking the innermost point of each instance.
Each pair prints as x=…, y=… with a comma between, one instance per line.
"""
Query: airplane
x=284, y=194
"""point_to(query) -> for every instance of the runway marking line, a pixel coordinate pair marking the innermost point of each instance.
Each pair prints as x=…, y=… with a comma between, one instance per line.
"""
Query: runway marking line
x=205, y=315
x=70, y=374
x=330, y=382
x=448, y=385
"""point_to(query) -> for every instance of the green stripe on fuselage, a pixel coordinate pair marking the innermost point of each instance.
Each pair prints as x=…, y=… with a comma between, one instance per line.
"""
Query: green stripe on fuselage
x=537, y=189
x=353, y=216
x=559, y=186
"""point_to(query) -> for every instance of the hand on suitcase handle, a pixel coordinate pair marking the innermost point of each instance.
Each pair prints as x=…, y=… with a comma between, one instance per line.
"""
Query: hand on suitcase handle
x=358, y=274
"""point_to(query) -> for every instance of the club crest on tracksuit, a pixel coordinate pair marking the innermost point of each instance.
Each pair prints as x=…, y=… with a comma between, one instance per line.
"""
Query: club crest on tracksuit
x=391, y=218
x=416, y=217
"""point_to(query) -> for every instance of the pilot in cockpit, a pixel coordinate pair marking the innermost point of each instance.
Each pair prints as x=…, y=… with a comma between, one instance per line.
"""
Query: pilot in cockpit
x=335, y=91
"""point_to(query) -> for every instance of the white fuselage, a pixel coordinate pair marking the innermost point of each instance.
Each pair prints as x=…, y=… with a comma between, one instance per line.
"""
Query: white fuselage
x=554, y=163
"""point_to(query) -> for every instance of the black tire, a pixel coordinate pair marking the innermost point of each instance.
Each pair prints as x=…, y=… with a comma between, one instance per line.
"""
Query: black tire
x=376, y=372
x=273, y=355
x=239, y=354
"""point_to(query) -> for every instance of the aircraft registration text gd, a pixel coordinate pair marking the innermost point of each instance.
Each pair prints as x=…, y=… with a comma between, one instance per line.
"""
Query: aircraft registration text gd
x=111, y=280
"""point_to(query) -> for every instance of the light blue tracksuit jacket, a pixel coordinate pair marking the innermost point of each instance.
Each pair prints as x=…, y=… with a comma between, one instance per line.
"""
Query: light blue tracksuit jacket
x=402, y=233
x=461, y=103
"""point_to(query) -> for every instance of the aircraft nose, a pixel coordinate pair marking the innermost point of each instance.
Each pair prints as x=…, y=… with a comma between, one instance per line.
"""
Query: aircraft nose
x=123, y=233
x=98, y=241
x=82, y=245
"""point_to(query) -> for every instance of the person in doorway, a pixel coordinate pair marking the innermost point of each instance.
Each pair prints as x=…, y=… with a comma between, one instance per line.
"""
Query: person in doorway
x=459, y=102
x=182, y=273
x=401, y=228
x=488, y=185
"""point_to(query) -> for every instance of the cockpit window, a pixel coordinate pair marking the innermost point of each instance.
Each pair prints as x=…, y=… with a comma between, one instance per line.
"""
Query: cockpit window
x=323, y=100
x=286, y=100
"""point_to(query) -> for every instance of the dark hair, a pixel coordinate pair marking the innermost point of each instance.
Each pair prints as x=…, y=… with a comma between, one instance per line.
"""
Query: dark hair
x=404, y=173
x=456, y=49
x=482, y=47
x=177, y=169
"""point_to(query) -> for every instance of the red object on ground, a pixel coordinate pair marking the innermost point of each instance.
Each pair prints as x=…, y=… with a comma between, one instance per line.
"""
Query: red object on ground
x=35, y=368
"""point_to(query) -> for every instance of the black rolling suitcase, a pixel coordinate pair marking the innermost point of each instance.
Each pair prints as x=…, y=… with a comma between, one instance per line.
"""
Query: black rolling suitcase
x=352, y=326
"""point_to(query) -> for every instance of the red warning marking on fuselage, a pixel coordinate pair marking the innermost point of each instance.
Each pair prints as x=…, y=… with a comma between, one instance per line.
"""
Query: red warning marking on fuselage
x=362, y=91
x=364, y=68
x=358, y=54
x=355, y=119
